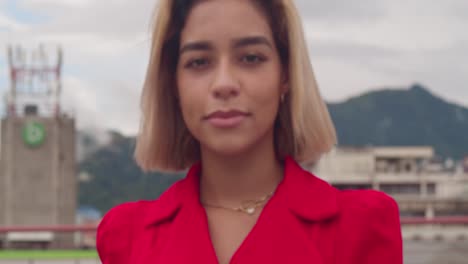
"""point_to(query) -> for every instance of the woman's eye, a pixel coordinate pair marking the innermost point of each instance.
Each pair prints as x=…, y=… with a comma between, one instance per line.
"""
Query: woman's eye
x=252, y=59
x=196, y=63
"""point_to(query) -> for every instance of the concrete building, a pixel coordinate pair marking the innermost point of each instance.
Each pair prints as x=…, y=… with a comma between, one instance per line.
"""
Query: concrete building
x=37, y=175
x=421, y=184
x=38, y=185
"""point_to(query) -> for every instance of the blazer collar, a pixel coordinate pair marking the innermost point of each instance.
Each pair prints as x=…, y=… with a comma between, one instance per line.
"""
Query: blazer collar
x=303, y=193
x=307, y=195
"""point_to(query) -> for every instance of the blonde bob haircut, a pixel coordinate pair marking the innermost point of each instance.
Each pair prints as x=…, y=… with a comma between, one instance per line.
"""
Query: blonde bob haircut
x=303, y=128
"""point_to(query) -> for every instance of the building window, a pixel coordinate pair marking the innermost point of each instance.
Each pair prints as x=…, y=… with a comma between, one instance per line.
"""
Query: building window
x=401, y=188
x=408, y=213
x=352, y=186
x=431, y=188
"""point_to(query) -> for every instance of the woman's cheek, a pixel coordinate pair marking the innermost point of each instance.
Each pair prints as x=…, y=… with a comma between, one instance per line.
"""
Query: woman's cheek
x=191, y=113
x=268, y=102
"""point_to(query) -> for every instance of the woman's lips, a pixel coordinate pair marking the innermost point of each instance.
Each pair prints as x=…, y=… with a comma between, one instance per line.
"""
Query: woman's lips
x=226, y=119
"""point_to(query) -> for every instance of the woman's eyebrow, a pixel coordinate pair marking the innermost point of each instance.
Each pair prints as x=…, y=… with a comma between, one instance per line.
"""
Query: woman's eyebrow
x=236, y=43
x=196, y=46
x=247, y=41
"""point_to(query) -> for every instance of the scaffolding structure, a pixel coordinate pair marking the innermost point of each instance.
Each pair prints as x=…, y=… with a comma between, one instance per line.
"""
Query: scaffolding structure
x=34, y=81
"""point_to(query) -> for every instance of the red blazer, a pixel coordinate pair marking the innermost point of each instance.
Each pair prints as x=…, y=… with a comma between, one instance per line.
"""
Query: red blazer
x=306, y=221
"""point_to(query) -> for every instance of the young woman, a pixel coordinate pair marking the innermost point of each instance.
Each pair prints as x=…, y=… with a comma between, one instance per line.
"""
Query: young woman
x=230, y=93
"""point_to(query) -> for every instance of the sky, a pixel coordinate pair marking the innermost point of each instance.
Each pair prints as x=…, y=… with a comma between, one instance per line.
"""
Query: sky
x=355, y=46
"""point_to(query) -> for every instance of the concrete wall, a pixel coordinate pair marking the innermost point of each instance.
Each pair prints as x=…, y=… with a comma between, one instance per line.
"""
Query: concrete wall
x=346, y=164
x=39, y=184
x=2, y=178
x=68, y=185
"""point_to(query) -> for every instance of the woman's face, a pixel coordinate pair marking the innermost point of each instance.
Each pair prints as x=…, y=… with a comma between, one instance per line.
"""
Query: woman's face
x=229, y=76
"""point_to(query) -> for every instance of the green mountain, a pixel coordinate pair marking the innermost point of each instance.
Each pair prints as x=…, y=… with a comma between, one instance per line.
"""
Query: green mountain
x=403, y=118
x=412, y=116
x=115, y=178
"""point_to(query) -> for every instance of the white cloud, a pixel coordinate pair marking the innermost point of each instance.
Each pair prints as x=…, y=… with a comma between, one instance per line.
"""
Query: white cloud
x=415, y=41
x=80, y=99
x=9, y=24
x=88, y=43
x=110, y=101
x=122, y=110
x=340, y=79
x=355, y=46
x=105, y=52
x=116, y=18
x=3, y=88
x=58, y=3
x=338, y=11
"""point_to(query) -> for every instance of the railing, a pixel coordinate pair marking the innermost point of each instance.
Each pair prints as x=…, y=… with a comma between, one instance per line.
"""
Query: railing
x=29, y=259
x=415, y=251
x=62, y=261
x=447, y=220
x=57, y=228
x=453, y=229
x=90, y=228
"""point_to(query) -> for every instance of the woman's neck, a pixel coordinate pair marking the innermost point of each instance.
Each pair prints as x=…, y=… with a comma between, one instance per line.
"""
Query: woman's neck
x=229, y=180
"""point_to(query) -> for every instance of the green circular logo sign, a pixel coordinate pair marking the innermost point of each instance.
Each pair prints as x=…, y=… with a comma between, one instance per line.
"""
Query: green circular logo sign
x=34, y=134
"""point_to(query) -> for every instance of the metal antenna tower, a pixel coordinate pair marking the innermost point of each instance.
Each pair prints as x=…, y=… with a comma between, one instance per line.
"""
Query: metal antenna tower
x=35, y=82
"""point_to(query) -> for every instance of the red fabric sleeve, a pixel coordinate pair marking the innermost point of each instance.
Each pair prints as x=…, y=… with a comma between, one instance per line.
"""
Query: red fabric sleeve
x=383, y=239
x=113, y=239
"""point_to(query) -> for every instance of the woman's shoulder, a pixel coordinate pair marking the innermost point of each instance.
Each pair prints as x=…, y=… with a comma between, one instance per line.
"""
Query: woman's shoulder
x=123, y=222
x=115, y=231
x=367, y=202
x=370, y=226
x=368, y=206
x=122, y=215
x=130, y=214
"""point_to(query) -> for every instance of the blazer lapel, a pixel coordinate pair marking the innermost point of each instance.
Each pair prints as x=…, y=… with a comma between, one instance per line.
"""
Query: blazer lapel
x=297, y=225
x=279, y=237
x=177, y=230
x=188, y=240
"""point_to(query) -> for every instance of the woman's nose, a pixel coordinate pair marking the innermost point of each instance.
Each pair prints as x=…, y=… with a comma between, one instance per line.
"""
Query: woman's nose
x=225, y=84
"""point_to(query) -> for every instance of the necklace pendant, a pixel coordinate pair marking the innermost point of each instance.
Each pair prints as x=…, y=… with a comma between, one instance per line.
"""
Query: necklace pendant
x=250, y=210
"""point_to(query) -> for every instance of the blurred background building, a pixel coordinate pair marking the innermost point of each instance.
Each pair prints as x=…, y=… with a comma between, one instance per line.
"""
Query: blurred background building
x=422, y=184
x=37, y=157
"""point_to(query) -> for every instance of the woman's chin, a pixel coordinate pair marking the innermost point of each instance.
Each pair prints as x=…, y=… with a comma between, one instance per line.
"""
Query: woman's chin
x=227, y=149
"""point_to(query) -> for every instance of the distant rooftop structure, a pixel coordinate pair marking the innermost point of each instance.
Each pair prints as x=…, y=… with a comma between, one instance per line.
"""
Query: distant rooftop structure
x=423, y=184
x=35, y=82
x=465, y=164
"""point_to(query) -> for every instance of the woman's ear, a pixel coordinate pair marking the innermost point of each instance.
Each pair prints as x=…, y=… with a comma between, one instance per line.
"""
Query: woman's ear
x=285, y=88
x=284, y=83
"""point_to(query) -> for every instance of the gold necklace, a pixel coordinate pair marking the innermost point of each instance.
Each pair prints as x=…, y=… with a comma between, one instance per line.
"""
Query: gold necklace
x=249, y=207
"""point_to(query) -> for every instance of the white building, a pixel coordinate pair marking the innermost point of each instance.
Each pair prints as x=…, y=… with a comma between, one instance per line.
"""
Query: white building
x=421, y=185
